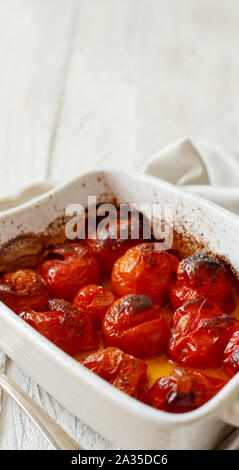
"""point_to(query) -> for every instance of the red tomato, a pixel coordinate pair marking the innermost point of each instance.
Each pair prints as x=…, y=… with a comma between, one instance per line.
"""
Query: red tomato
x=69, y=267
x=22, y=289
x=206, y=276
x=94, y=300
x=231, y=355
x=144, y=269
x=200, y=332
x=67, y=326
x=134, y=325
x=113, y=241
x=125, y=372
x=183, y=390
x=179, y=295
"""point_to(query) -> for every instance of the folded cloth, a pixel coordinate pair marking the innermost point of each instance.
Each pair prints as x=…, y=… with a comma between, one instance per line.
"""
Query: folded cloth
x=201, y=168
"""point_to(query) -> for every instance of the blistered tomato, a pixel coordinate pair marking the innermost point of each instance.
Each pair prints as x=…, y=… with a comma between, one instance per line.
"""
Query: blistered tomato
x=115, y=239
x=134, y=325
x=144, y=269
x=94, y=300
x=125, y=372
x=202, y=275
x=200, y=332
x=183, y=390
x=24, y=289
x=179, y=295
x=231, y=355
x=67, y=326
x=68, y=268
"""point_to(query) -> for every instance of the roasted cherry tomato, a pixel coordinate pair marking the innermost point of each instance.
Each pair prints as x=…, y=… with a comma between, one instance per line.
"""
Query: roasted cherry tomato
x=65, y=325
x=183, y=390
x=94, y=300
x=231, y=355
x=68, y=268
x=125, y=372
x=179, y=295
x=115, y=239
x=144, y=269
x=24, y=289
x=134, y=325
x=200, y=332
x=201, y=275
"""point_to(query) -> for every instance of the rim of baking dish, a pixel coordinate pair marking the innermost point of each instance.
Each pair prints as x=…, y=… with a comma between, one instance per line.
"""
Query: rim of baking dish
x=104, y=173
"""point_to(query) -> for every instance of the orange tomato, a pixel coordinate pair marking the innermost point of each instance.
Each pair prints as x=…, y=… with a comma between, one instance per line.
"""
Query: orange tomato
x=125, y=372
x=114, y=240
x=144, y=269
x=200, y=333
x=134, y=325
x=67, y=326
x=94, y=300
x=22, y=289
x=231, y=355
x=202, y=275
x=183, y=390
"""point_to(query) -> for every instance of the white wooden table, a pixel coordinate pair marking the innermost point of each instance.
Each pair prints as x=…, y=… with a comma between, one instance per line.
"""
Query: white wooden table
x=104, y=83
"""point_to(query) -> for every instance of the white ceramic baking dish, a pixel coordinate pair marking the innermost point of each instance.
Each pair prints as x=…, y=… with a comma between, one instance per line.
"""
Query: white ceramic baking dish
x=120, y=418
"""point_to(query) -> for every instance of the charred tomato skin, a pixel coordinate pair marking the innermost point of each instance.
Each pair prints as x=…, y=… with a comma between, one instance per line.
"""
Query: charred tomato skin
x=125, y=372
x=24, y=288
x=199, y=334
x=94, y=300
x=183, y=390
x=67, y=326
x=207, y=276
x=231, y=355
x=144, y=269
x=134, y=324
x=68, y=268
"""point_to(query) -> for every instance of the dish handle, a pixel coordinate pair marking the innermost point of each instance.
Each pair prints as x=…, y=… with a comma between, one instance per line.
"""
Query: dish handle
x=231, y=415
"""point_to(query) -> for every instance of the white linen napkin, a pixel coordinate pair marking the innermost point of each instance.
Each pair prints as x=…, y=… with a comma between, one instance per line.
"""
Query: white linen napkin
x=200, y=167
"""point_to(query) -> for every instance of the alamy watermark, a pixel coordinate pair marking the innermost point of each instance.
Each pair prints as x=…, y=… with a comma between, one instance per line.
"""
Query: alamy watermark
x=126, y=221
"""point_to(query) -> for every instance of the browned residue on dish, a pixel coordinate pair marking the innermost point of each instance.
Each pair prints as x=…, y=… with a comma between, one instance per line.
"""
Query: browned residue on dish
x=28, y=249
x=186, y=245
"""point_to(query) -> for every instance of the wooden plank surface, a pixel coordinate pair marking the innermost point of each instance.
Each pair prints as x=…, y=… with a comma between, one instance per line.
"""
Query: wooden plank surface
x=89, y=83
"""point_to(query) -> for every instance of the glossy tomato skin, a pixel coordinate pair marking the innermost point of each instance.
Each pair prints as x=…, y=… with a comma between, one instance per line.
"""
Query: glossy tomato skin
x=22, y=289
x=183, y=390
x=67, y=326
x=199, y=334
x=144, y=269
x=125, y=372
x=208, y=277
x=231, y=355
x=134, y=324
x=179, y=295
x=68, y=268
x=95, y=301
x=113, y=241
